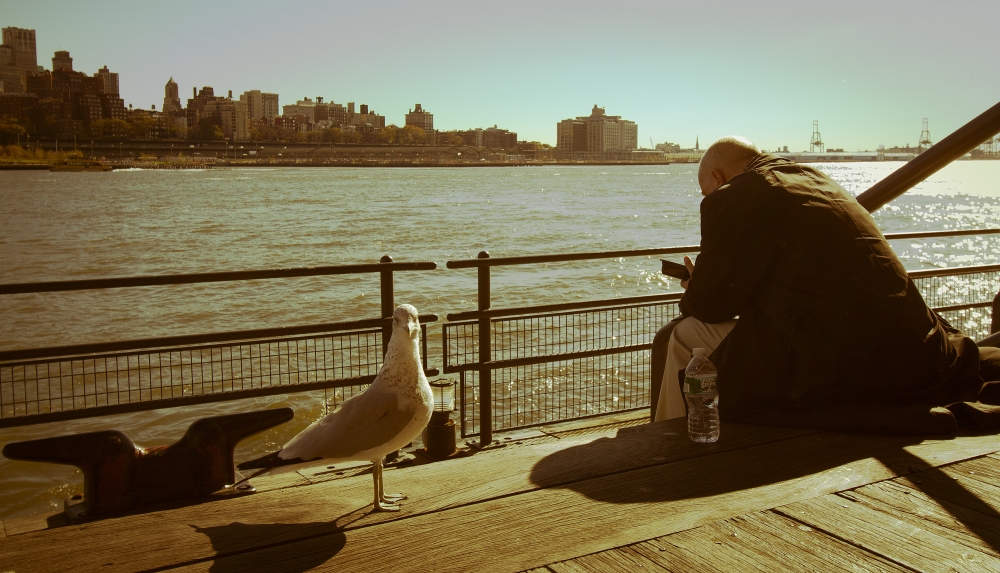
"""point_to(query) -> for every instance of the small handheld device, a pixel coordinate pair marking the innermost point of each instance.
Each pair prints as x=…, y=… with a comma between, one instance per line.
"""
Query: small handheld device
x=675, y=270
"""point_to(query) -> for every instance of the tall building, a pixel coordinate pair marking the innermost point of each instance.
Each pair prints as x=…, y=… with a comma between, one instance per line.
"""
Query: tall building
x=109, y=79
x=333, y=113
x=23, y=56
x=197, y=102
x=261, y=105
x=10, y=77
x=366, y=119
x=499, y=138
x=232, y=116
x=171, y=98
x=61, y=60
x=597, y=136
x=420, y=118
x=304, y=107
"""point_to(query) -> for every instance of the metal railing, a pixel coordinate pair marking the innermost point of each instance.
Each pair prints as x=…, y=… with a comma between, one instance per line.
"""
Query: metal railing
x=527, y=366
x=85, y=380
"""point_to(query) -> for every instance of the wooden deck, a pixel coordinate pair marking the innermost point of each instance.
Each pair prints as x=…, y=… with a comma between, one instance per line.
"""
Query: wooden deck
x=624, y=496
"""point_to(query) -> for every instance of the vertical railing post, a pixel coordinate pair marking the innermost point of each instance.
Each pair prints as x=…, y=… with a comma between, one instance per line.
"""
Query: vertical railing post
x=995, y=320
x=485, y=357
x=388, y=305
x=388, y=302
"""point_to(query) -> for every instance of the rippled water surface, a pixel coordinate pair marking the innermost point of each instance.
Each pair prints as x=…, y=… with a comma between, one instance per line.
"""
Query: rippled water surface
x=58, y=226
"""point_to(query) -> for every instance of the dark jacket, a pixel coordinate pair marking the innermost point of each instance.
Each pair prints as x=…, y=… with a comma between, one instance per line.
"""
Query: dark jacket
x=827, y=314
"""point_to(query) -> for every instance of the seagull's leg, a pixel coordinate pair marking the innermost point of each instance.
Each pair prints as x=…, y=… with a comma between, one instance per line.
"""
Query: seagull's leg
x=379, y=500
x=387, y=497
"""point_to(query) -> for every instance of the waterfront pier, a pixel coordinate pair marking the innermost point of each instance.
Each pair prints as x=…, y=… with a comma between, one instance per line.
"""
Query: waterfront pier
x=605, y=494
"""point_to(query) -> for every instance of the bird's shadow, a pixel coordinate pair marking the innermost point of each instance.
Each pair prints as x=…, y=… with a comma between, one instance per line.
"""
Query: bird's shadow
x=245, y=547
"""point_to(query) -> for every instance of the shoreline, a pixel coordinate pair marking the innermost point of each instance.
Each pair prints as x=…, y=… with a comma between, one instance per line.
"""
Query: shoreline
x=119, y=166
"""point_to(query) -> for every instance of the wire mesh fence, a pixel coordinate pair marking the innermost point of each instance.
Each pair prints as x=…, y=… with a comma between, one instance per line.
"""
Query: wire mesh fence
x=957, y=289
x=190, y=374
x=979, y=288
x=558, y=366
x=546, y=383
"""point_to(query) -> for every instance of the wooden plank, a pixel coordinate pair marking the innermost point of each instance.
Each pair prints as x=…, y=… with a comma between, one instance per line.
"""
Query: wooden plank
x=557, y=524
x=621, y=560
x=955, y=485
x=21, y=525
x=909, y=545
x=539, y=570
x=766, y=541
x=985, y=469
x=3, y=532
x=285, y=515
x=945, y=519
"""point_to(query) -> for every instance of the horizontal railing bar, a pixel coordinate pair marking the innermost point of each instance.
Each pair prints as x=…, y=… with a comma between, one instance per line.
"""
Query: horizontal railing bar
x=173, y=349
x=963, y=306
x=192, y=278
x=531, y=259
x=158, y=404
x=931, y=234
x=953, y=271
x=606, y=303
x=528, y=360
x=189, y=339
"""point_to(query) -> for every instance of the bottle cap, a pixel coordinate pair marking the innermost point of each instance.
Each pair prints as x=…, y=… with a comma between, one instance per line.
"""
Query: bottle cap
x=700, y=351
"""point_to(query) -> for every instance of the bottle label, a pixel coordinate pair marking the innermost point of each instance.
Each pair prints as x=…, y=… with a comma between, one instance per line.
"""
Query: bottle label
x=694, y=385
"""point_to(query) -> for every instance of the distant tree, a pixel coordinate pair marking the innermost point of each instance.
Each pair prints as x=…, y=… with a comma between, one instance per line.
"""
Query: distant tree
x=209, y=128
x=333, y=135
x=10, y=131
x=141, y=127
x=414, y=135
x=109, y=128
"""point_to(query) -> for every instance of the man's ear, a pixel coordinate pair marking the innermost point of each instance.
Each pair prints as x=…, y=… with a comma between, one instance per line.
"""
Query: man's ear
x=719, y=178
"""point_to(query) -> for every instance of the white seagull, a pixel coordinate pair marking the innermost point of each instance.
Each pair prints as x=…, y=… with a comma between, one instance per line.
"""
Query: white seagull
x=389, y=414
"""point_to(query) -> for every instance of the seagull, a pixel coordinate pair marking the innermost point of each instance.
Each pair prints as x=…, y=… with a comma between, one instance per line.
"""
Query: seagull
x=389, y=414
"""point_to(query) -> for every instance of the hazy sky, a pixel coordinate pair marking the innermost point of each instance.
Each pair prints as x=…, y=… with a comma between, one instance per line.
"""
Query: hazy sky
x=868, y=71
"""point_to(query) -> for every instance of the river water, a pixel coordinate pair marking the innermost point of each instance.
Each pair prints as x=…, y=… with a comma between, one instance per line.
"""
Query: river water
x=60, y=226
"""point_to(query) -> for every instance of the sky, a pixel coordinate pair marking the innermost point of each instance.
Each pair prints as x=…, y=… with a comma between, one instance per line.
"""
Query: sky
x=869, y=72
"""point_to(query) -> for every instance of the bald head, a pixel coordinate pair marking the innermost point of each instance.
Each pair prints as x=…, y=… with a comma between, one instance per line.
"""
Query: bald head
x=725, y=159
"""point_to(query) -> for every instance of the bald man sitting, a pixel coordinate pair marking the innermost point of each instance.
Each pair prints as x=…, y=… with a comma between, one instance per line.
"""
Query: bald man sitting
x=831, y=331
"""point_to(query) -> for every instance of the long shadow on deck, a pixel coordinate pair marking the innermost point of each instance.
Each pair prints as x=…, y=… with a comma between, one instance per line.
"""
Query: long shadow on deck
x=745, y=469
x=234, y=555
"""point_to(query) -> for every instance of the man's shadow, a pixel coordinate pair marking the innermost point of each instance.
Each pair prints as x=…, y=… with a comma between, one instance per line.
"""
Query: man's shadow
x=744, y=469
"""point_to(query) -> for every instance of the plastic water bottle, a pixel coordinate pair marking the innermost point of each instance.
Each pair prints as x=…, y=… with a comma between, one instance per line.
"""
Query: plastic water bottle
x=702, y=398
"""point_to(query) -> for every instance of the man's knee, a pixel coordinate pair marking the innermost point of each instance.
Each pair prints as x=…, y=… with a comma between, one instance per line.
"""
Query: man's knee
x=688, y=331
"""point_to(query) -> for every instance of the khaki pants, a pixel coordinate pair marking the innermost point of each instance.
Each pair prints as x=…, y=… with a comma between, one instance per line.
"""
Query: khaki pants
x=689, y=334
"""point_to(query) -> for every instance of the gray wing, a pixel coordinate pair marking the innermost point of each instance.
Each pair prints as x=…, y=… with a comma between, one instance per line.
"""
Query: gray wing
x=362, y=423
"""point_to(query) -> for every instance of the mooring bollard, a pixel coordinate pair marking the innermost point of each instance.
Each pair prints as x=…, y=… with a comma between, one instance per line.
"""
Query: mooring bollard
x=120, y=476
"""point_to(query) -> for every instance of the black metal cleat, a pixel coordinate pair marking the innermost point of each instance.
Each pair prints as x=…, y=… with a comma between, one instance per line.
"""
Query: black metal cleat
x=120, y=476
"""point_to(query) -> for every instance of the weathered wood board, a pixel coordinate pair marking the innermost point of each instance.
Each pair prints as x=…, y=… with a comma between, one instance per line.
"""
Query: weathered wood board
x=556, y=524
x=523, y=507
x=280, y=516
x=911, y=543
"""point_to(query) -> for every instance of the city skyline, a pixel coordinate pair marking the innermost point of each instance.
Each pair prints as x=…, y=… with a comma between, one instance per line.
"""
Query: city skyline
x=869, y=74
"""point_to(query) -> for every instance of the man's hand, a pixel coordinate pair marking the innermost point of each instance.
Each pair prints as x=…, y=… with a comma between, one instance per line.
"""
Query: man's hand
x=690, y=267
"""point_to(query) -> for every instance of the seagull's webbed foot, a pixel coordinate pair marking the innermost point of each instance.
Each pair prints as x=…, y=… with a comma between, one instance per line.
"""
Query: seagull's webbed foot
x=392, y=497
x=388, y=507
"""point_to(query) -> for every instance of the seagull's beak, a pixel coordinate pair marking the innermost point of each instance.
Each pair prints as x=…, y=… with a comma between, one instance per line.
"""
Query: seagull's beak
x=412, y=328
